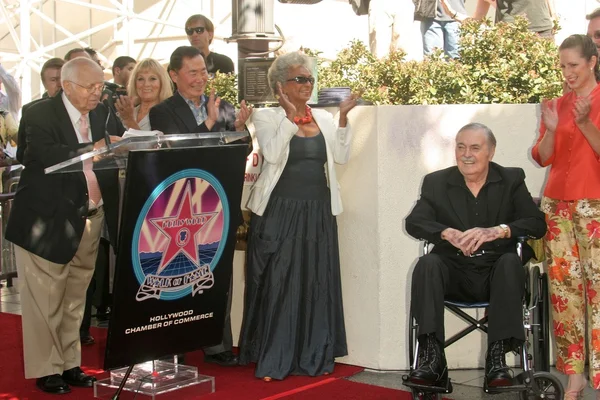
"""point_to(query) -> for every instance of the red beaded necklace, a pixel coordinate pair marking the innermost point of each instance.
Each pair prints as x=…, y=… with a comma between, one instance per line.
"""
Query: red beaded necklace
x=307, y=119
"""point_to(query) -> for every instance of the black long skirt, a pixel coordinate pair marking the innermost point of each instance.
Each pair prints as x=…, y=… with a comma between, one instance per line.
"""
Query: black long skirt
x=293, y=312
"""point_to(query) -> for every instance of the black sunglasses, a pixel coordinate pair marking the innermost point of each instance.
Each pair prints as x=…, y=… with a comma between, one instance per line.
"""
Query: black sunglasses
x=199, y=30
x=302, y=80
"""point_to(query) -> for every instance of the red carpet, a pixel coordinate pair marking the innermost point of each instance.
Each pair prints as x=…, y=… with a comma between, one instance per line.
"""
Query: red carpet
x=342, y=389
x=231, y=383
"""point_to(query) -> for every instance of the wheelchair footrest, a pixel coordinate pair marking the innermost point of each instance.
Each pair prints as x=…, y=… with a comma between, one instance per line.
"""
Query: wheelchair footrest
x=517, y=386
x=444, y=386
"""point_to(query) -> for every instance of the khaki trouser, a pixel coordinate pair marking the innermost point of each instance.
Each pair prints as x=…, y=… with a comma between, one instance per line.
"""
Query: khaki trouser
x=52, y=303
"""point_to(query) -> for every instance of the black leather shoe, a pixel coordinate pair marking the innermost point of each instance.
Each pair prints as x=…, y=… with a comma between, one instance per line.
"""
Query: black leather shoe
x=54, y=384
x=87, y=340
x=224, y=359
x=76, y=377
x=497, y=372
x=103, y=313
x=432, y=368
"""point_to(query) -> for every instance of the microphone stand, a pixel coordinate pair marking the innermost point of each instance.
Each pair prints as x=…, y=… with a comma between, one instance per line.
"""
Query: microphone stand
x=106, y=134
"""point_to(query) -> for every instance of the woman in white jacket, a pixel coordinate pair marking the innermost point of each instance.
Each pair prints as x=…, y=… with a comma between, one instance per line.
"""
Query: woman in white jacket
x=293, y=312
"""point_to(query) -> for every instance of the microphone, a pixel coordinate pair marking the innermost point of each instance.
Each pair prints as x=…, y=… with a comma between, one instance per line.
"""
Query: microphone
x=106, y=134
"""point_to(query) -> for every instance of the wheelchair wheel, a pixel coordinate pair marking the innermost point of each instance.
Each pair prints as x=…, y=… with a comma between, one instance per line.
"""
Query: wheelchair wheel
x=549, y=387
x=412, y=339
x=541, y=316
x=420, y=395
x=540, y=319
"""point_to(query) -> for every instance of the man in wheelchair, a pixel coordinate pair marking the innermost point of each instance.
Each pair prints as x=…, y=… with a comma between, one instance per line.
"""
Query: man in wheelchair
x=473, y=213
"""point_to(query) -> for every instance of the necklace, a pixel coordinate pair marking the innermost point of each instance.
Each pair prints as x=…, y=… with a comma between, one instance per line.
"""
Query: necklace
x=307, y=119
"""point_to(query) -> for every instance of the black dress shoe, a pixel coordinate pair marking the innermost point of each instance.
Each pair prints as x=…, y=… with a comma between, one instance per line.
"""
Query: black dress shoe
x=432, y=369
x=224, y=359
x=76, y=377
x=87, y=340
x=103, y=313
x=497, y=372
x=54, y=384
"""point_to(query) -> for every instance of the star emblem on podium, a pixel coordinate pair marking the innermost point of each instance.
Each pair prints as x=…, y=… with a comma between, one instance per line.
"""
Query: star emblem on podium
x=181, y=230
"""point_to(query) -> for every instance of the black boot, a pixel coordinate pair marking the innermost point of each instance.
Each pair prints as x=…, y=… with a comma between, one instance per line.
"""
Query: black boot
x=431, y=367
x=497, y=372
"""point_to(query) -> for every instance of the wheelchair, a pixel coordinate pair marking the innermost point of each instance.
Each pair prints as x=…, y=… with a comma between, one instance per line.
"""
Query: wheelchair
x=535, y=382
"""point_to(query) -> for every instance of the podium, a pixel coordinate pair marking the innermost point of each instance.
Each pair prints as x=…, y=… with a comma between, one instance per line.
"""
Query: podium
x=179, y=210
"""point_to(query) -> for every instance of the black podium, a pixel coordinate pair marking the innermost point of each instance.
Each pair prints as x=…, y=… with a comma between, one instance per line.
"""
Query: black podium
x=179, y=212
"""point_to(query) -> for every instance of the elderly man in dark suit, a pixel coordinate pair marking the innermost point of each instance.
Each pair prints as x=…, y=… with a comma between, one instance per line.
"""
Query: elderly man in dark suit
x=189, y=110
x=473, y=213
x=55, y=224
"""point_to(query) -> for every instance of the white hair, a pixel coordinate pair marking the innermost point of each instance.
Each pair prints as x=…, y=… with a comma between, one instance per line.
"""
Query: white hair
x=70, y=70
x=279, y=69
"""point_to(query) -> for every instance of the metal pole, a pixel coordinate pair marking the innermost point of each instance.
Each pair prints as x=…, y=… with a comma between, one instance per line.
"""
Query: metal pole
x=25, y=51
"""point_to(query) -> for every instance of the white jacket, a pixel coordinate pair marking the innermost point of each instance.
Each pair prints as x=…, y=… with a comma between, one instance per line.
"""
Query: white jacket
x=274, y=132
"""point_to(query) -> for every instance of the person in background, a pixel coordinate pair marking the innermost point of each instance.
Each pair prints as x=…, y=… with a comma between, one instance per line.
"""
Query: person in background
x=76, y=52
x=439, y=29
x=593, y=29
x=200, y=32
x=569, y=142
x=10, y=96
x=50, y=75
x=94, y=56
x=293, y=311
x=121, y=69
x=149, y=85
x=540, y=13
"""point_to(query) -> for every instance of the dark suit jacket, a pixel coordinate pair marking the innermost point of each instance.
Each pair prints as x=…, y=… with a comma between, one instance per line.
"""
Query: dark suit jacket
x=174, y=116
x=21, y=140
x=443, y=205
x=49, y=211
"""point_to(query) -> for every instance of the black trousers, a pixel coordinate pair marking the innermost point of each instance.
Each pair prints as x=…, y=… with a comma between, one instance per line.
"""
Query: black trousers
x=99, y=283
x=499, y=280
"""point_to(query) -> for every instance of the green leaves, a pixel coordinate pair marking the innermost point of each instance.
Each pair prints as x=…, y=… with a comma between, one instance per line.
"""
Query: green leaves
x=501, y=64
x=225, y=86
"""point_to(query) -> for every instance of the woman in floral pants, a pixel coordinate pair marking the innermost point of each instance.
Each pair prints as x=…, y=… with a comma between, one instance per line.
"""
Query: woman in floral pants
x=570, y=142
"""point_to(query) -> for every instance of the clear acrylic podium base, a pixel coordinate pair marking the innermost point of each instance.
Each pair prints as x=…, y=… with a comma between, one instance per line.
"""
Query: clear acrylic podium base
x=151, y=379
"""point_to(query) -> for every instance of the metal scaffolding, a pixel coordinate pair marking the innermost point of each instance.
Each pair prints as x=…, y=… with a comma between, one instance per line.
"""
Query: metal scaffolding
x=33, y=31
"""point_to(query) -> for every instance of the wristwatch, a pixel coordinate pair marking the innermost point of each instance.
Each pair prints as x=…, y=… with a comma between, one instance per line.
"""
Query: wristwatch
x=505, y=229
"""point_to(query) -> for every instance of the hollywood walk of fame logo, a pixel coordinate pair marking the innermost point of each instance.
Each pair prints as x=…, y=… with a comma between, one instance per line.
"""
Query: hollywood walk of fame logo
x=179, y=236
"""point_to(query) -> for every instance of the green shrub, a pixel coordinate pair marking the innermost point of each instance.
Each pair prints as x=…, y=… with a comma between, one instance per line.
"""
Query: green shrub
x=504, y=63
x=501, y=64
x=225, y=86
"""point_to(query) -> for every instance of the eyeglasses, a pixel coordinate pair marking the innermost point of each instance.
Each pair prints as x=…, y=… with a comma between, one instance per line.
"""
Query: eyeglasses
x=302, y=80
x=92, y=88
x=199, y=30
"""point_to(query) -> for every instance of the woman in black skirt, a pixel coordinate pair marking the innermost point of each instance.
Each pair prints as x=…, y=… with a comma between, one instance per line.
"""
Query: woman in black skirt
x=293, y=311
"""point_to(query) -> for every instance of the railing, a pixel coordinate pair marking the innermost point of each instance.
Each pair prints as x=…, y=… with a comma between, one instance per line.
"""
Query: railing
x=8, y=266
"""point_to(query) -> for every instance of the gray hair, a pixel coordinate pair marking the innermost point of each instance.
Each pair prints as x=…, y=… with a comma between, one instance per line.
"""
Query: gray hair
x=70, y=70
x=593, y=15
x=281, y=66
x=476, y=126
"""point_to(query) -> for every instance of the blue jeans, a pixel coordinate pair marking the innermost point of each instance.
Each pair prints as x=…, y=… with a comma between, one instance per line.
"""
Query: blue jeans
x=441, y=35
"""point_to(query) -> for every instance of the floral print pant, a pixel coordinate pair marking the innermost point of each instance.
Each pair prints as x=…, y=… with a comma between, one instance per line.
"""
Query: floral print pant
x=572, y=246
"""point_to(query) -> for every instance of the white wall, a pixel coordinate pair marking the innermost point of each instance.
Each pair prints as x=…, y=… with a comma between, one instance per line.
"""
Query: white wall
x=393, y=148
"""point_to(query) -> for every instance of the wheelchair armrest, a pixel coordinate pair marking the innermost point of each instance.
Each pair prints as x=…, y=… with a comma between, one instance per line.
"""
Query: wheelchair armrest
x=425, y=245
